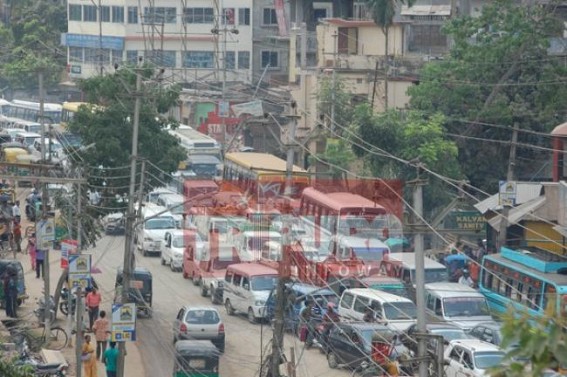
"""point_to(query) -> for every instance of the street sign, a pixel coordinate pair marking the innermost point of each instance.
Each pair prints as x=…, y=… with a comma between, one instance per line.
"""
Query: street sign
x=507, y=193
x=461, y=221
x=45, y=233
x=68, y=247
x=80, y=270
x=123, y=323
x=224, y=108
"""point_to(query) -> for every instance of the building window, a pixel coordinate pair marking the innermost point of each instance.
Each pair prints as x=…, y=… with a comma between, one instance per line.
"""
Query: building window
x=269, y=17
x=105, y=13
x=161, y=58
x=91, y=55
x=75, y=54
x=270, y=58
x=75, y=12
x=89, y=13
x=230, y=59
x=347, y=40
x=160, y=15
x=243, y=59
x=244, y=16
x=132, y=15
x=118, y=15
x=132, y=56
x=229, y=16
x=199, y=15
x=199, y=59
x=117, y=56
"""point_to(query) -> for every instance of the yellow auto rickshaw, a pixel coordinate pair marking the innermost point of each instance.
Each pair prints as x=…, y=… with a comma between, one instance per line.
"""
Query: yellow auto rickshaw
x=11, y=154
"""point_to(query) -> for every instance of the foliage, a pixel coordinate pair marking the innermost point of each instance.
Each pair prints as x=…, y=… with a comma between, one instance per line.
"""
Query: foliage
x=109, y=126
x=541, y=344
x=409, y=136
x=498, y=72
x=338, y=155
x=337, y=95
x=31, y=42
x=383, y=11
x=11, y=369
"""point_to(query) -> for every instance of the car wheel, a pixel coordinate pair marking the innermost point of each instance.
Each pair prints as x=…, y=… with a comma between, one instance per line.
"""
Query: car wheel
x=332, y=360
x=144, y=253
x=162, y=261
x=221, y=347
x=228, y=307
x=195, y=281
x=250, y=316
x=203, y=288
x=213, y=294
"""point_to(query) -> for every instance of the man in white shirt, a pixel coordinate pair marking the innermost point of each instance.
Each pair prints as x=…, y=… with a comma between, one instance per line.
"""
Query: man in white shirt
x=466, y=279
x=16, y=212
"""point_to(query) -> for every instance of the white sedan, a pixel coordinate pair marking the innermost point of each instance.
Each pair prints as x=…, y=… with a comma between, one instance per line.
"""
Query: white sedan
x=471, y=358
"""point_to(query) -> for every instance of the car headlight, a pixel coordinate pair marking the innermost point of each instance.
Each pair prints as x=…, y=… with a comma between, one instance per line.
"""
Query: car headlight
x=259, y=303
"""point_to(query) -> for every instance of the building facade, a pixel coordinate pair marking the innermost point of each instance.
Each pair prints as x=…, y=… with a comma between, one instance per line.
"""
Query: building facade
x=193, y=41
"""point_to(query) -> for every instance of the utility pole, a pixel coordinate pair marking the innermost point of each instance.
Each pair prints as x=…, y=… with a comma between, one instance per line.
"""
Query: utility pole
x=334, y=80
x=44, y=215
x=418, y=184
x=502, y=233
x=142, y=184
x=284, y=265
x=130, y=216
x=79, y=330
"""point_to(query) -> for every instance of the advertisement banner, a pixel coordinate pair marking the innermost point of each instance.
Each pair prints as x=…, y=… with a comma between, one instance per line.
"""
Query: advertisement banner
x=123, y=322
x=79, y=270
x=68, y=247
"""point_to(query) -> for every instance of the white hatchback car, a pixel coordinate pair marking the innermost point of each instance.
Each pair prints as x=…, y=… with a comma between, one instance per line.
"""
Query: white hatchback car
x=471, y=357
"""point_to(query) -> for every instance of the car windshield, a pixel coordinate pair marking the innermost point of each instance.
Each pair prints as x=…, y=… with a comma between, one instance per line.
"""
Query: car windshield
x=450, y=334
x=434, y=275
x=400, y=310
x=264, y=283
x=177, y=208
x=160, y=223
x=202, y=317
x=370, y=254
x=465, y=307
x=485, y=360
x=393, y=289
x=178, y=242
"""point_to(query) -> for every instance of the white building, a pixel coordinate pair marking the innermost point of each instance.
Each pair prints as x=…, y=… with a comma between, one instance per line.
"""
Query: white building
x=177, y=35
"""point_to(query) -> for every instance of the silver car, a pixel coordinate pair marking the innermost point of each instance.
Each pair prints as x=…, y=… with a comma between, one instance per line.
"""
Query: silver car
x=199, y=323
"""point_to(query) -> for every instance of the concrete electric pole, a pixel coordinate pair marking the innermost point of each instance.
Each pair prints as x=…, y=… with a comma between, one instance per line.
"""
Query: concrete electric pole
x=130, y=216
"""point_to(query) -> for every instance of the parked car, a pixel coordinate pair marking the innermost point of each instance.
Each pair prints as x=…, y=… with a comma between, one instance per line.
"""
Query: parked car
x=448, y=331
x=471, y=357
x=352, y=343
x=199, y=323
x=114, y=224
x=490, y=332
x=172, y=249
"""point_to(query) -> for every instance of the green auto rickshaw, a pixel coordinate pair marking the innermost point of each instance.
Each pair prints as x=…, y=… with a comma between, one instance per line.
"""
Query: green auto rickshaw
x=10, y=266
x=196, y=358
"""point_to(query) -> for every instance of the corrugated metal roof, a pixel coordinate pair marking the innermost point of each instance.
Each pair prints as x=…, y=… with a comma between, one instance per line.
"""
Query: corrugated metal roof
x=526, y=191
x=426, y=10
x=518, y=213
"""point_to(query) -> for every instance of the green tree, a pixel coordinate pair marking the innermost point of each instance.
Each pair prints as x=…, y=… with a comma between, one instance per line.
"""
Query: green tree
x=410, y=136
x=31, y=42
x=539, y=344
x=334, y=94
x=10, y=369
x=498, y=72
x=109, y=126
x=338, y=155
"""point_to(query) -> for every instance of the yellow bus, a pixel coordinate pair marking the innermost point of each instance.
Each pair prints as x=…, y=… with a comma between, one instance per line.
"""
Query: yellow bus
x=262, y=174
x=68, y=112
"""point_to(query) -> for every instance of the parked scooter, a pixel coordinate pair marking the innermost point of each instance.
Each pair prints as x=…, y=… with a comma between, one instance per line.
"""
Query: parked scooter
x=64, y=302
x=38, y=368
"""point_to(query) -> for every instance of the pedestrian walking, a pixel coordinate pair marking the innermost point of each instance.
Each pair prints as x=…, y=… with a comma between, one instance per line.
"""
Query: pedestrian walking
x=110, y=359
x=92, y=301
x=17, y=234
x=32, y=250
x=39, y=260
x=16, y=212
x=88, y=358
x=101, y=330
x=13, y=294
x=6, y=293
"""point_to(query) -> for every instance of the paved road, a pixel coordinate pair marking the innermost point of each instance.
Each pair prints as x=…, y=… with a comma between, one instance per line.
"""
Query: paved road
x=244, y=340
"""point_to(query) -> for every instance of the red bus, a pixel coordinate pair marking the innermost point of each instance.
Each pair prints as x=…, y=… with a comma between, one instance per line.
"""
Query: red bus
x=347, y=214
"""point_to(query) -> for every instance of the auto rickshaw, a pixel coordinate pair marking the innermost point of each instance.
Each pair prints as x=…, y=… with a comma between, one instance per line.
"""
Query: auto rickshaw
x=140, y=291
x=196, y=358
x=7, y=266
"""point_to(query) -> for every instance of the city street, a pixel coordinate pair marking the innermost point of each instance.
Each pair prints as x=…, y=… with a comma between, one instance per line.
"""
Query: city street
x=244, y=340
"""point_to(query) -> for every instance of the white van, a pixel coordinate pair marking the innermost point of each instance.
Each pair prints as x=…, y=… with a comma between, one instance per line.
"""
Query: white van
x=456, y=303
x=27, y=138
x=175, y=203
x=397, y=312
x=246, y=289
x=151, y=232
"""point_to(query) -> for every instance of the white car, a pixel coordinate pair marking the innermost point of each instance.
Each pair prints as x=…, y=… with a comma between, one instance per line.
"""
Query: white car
x=174, y=245
x=471, y=357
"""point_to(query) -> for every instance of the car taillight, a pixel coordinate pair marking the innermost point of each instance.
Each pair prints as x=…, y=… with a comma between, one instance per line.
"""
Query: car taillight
x=221, y=328
x=183, y=328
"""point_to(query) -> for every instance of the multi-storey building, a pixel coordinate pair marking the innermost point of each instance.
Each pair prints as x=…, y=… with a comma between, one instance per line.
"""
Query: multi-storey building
x=192, y=40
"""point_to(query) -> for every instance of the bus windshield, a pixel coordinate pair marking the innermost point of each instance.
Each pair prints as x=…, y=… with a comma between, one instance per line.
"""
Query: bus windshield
x=370, y=254
x=362, y=225
x=204, y=170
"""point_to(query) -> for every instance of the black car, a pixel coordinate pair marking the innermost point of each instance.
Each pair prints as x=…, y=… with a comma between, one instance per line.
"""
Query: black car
x=446, y=330
x=350, y=343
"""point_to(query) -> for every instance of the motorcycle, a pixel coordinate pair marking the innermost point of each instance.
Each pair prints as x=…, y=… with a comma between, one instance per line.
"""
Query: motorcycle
x=38, y=368
x=41, y=309
x=64, y=302
x=318, y=338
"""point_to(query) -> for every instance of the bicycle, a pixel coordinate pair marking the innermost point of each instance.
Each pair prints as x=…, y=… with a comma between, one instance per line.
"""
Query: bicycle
x=57, y=340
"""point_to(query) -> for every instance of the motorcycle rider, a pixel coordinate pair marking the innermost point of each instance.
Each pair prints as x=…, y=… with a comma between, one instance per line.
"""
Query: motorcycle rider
x=329, y=319
x=307, y=316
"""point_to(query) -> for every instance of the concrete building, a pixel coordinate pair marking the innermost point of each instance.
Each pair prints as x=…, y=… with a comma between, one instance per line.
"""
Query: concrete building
x=189, y=39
